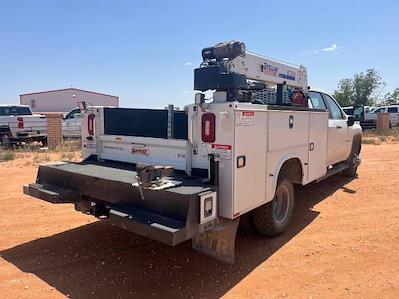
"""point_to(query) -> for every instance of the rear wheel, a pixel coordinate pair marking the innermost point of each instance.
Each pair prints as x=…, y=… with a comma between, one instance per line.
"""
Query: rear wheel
x=273, y=218
x=5, y=141
x=44, y=141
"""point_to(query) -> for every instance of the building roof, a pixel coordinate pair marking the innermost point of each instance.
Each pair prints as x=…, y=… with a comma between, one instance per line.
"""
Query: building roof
x=71, y=88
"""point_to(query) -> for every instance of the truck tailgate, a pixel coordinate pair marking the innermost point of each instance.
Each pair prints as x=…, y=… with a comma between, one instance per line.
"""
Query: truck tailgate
x=168, y=215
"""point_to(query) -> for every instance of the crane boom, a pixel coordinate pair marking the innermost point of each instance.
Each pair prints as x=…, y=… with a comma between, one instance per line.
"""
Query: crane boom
x=266, y=70
x=238, y=75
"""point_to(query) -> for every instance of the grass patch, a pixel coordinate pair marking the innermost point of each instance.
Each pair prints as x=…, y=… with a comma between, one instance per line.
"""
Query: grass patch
x=33, y=155
x=369, y=141
x=375, y=136
x=68, y=156
x=7, y=156
x=41, y=158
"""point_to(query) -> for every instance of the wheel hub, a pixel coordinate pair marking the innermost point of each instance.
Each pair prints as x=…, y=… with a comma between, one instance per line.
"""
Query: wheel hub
x=281, y=204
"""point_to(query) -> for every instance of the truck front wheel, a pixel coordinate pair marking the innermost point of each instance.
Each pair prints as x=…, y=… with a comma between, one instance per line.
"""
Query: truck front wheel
x=352, y=161
x=273, y=218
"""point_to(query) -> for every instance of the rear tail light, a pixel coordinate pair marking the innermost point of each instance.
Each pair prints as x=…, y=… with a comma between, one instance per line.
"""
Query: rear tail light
x=208, y=127
x=20, y=122
x=90, y=124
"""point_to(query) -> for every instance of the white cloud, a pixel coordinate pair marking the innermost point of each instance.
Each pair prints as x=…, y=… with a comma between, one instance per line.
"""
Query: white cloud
x=331, y=48
x=188, y=63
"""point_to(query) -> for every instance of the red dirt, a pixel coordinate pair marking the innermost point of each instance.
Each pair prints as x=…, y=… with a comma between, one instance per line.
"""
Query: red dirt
x=343, y=242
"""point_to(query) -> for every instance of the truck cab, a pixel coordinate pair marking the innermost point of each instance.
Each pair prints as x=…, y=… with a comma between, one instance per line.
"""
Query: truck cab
x=342, y=129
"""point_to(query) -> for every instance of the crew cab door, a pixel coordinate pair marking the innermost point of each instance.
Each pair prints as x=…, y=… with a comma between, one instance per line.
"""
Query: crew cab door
x=339, y=142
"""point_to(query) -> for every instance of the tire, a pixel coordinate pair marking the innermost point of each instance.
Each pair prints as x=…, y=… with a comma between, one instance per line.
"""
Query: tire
x=5, y=141
x=273, y=218
x=351, y=171
x=44, y=141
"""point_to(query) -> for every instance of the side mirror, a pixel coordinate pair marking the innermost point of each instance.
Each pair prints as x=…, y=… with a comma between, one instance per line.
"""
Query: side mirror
x=350, y=121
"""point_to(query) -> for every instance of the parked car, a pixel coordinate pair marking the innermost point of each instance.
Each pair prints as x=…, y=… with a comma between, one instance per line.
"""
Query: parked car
x=18, y=124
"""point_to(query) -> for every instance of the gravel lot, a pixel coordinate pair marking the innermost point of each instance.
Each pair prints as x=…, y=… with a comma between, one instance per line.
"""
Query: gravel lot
x=343, y=242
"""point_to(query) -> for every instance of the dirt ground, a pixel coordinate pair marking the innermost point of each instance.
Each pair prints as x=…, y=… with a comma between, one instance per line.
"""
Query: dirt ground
x=343, y=242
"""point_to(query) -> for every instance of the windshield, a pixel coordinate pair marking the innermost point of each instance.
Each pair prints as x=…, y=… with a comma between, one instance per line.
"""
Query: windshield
x=15, y=110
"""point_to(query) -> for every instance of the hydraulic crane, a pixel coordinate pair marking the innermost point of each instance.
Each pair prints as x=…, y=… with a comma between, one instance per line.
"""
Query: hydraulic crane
x=247, y=77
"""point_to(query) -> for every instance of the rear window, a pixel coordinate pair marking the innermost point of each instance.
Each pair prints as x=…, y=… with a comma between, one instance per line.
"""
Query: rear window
x=15, y=110
x=392, y=109
x=316, y=100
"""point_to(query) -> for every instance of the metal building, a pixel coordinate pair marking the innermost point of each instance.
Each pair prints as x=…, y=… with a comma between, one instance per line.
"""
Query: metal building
x=64, y=100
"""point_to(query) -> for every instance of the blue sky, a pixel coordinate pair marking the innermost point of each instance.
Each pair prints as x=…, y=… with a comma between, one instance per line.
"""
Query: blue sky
x=145, y=51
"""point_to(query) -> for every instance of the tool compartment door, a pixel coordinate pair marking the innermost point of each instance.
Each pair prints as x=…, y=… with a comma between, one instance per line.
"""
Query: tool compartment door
x=250, y=145
x=318, y=132
x=288, y=137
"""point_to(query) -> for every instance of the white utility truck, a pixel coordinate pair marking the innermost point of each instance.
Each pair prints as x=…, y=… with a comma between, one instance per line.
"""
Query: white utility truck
x=173, y=175
x=18, y=124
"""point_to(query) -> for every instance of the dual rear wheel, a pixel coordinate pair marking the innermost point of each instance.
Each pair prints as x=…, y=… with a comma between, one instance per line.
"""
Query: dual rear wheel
x=273, y=218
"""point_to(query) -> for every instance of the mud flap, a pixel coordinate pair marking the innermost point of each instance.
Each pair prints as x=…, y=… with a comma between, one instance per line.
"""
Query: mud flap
x=219, y=242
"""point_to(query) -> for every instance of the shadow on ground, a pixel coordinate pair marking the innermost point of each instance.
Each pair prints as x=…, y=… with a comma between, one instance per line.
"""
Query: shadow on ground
x=107, y=262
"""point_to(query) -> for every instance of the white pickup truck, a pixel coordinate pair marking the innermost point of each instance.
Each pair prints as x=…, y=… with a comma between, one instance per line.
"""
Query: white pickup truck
x=176, y=175
x=368, y=117
x=71, y=124
x=18, y=124
x=393, y=111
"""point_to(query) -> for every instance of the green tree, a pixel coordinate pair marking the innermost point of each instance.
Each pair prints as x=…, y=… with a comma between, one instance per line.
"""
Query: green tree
x=363, y=89
x=392, y=98
x=344, y=95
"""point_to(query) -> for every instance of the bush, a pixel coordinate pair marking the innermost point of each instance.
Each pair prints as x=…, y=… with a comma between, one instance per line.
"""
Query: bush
x=7, y=156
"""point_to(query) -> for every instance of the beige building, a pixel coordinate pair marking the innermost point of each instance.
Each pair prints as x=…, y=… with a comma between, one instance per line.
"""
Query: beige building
x=64, y=100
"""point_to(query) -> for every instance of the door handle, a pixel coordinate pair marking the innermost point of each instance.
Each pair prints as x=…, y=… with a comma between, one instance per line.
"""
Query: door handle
x=339, y=127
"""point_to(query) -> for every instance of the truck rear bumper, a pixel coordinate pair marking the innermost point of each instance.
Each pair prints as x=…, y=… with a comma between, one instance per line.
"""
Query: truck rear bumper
x=106, y=190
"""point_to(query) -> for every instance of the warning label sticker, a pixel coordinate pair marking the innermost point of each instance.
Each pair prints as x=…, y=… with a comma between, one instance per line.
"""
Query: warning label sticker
x=223, y=150
x=245, y=118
